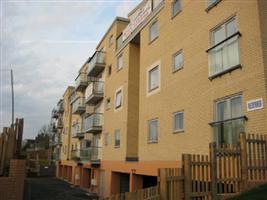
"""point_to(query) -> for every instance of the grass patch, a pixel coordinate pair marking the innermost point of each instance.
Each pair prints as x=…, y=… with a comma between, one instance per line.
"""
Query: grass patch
x=259, y=193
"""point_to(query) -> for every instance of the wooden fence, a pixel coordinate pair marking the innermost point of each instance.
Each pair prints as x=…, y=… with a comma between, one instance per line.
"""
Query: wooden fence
x=226, y=171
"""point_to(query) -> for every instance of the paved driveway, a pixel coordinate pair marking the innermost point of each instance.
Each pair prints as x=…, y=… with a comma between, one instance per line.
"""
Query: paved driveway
x=52, y=189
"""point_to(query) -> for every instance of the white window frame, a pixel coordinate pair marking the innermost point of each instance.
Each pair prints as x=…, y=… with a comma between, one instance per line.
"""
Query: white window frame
x=117, y=91
x=174, y=126
x=149, y=140
x=157, y=89
x=117, y=131
x=172, y=8
x=180, y=52
x=150, y=28
x=118, y=61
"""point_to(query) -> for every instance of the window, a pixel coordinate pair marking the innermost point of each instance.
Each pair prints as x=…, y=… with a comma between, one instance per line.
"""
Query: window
x=224, y=53
x=176, y=7
x=118, y=99
x=106, y=139
x=153, y=82
x=119, y=41
x=178, y=61
x=178, y=121
x=229, y=120
x=211, y=3
x=117, y=136
x=110, y=40
x=153, y=131
x=153, y=31
x=109, y=70
x=120, y=62
x=108, y=103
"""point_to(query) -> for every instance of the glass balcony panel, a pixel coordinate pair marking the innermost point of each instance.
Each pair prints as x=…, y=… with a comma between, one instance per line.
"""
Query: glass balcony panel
x=96, y=64
x=93, y=123
x=78, y=106
x=81, y=82
x=94, y=92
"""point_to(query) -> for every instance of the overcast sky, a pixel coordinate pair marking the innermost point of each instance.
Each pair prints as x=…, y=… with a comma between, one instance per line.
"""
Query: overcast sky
x=46, y=42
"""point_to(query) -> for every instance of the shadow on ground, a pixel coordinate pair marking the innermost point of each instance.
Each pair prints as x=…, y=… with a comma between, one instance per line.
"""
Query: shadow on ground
x=53, y=189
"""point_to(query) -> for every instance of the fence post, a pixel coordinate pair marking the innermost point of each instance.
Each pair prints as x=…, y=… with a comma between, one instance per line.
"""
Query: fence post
x=244, y=164
x=186, y=159
x=213, y=170
x=163, y=184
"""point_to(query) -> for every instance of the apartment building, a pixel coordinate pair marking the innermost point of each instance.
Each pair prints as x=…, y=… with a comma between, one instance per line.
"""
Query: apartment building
x=170, y=79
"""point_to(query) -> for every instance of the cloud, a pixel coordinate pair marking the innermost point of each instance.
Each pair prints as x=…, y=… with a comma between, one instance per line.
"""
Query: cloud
x=46, y=43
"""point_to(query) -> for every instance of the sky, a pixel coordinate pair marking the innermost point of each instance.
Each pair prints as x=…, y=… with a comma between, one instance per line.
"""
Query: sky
x=45, y=43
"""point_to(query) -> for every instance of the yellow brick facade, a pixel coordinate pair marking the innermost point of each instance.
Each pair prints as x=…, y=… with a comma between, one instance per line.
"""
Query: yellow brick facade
x=189, y=90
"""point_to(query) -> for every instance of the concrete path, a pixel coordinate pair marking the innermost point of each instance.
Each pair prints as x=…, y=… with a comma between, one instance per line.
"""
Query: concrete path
x=52, y=189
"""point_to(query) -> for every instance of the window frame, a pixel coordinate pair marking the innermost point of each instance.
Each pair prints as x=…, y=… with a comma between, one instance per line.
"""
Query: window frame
x=149, y=140
x=157, y=33
x=213, y=4
x=120, y=56
x=110, y=40
x=106, y=139
x=117, y=39
x=172, y=8
x=174, y=122
x=180, y=52
x=116, y=92
x=117, y=132
x=149, y=79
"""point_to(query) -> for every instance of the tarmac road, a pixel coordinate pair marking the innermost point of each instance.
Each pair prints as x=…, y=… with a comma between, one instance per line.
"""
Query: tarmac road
x=52, y=189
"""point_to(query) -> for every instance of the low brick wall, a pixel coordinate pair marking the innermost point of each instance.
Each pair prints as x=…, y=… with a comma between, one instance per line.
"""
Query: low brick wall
x=11, y=188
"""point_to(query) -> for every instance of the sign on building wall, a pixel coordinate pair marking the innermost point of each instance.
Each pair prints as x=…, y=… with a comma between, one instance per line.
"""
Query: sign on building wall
x=255, y=104
x=137, y=18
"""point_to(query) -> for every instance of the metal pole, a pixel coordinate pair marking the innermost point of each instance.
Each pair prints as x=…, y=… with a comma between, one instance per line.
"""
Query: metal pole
x=12, y=92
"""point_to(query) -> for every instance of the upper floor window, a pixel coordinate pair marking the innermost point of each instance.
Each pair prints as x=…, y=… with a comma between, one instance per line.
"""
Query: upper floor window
x=212, y=3
x=110, y=40
x=153, y=31
x=176, y=7
x=118, y=102
x=155, y=3
x=178, y=121
x=120, y=62
x=106, y=139
x=224, y=53
x=109, y=70
x=153, y=78
x=153, y=131
x=177, y=60
x=229, y=120
x=119, y=42
x=117, y=138
x=108, y=103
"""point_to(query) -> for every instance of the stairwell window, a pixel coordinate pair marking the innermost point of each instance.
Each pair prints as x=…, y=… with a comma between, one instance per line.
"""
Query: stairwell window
x=120, y=62
x=178, y=118
x=152, y=131
x=176, y=7
x=177, y=61
x=153, y=31
x=224, y=53
x=229, y=120
x=153, y=78
x=117, y=137
x=118, y=102
x=119, y=42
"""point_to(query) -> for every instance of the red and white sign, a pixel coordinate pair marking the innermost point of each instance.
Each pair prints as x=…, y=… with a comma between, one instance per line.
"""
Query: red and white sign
x=136, y=19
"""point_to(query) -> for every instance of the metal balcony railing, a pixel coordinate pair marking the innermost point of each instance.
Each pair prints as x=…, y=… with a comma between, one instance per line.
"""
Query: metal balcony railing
x=54, y=113
x=78, y=106
x=81, y=81
x=91, y=154
x=228, y=131
x=77, y=131
x=94, y=92
x=60, y=106
x=93, y=123
x=59, y=123
x=96, y=64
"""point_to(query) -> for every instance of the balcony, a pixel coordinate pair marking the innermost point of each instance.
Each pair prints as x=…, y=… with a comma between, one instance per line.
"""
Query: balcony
x=91, y=154
x=59, y=123
x=93, y=123
x=78, y=106
x=57, y=140
x=54, y=113
x=60, y=107
x=96, y=64
x=81, y=82
x=76, y=131
x=94, y=92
